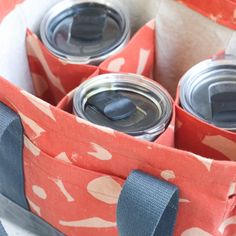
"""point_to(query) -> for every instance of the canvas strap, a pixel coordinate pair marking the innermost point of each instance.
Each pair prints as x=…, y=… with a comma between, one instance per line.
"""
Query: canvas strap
x=11, y=152
x=14, y=208
x=147, y=206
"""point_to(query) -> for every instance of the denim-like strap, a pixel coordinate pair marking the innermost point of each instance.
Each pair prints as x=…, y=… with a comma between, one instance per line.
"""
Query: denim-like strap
x=147, y=206
x=13, y=204
x=11, y=152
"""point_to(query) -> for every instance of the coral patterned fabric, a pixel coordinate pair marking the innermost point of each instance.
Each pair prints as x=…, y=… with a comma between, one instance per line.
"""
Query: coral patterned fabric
x=52, y=77
x=74, y=170
x=202, y=138
x=55, y=79
x=74, y=173
x=221, y=11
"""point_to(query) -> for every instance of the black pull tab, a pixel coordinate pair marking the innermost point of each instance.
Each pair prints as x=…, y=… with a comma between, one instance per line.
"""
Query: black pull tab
x=89, y=23
x=113, y=105
x=223, y=101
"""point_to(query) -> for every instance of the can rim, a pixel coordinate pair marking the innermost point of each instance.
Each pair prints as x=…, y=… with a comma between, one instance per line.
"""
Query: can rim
x=106, y=82
x=67, y=4
x=200, y=74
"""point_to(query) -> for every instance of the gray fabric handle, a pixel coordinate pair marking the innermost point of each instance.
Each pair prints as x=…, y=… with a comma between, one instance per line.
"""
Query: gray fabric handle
x=11, y=153
x=13, y=204
x=147, y=206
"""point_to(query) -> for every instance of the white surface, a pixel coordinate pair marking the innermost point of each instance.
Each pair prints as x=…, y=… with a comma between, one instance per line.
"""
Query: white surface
x=13, y=64
x=14, y=230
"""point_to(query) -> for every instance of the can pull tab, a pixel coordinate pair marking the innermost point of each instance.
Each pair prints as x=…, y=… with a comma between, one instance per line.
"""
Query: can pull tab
x=89, y=23
x=222, y=96
x=113, y=105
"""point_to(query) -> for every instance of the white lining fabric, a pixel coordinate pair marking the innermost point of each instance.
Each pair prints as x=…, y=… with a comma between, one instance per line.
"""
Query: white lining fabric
x=184, y=38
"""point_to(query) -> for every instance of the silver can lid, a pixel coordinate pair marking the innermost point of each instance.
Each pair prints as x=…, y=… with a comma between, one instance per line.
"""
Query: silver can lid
x=208, y=91
x=85, y=31
x=125, y=102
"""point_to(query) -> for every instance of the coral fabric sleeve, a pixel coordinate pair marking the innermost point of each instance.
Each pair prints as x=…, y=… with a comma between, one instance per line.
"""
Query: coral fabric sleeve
x=74, y=170
x=222, y=11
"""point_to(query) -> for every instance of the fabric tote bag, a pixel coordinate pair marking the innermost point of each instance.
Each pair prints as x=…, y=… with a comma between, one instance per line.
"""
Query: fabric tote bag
x=63, y=175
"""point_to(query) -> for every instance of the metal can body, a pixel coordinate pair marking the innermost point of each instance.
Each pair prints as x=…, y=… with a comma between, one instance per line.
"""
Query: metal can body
x=85, y=31
x=128, y=103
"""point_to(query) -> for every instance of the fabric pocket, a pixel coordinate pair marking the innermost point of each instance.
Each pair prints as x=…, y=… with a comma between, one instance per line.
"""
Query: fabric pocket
x=195, y=135
x=74, y=200
x=53, y=78
x=79, y=201
x=166, y=138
